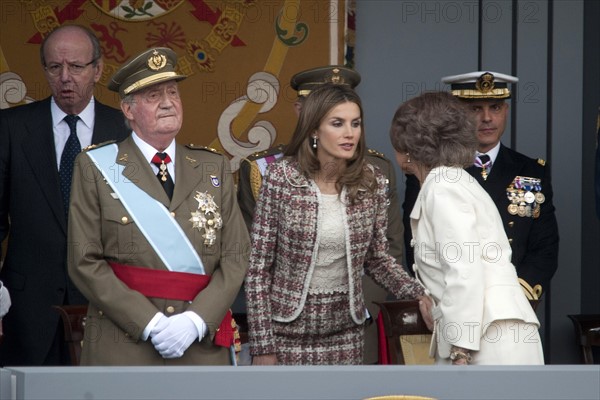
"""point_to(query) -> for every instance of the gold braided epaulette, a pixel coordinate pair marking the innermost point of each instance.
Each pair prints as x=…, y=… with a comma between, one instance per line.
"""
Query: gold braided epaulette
x=255, y=179
x=532, y=293
x=541, y=161
x=206, y=148
x=95, y=146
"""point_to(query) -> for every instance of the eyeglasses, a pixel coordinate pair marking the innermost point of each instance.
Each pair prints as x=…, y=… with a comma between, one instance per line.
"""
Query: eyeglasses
x=73, y=68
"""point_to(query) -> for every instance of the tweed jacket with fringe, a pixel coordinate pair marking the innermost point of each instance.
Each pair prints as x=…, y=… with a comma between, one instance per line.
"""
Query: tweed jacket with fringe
x=285, y=237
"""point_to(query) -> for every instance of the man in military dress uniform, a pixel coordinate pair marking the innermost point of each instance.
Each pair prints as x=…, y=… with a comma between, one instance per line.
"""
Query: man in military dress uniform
x=252, y=169
x=157, y=242
x=519, y=186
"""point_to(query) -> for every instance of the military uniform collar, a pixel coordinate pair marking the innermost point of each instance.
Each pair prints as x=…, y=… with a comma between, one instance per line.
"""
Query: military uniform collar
x=493, y=153
x=148, y=151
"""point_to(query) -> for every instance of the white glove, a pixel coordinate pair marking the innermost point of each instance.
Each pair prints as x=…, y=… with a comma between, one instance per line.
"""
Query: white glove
x=173, y=340
x=162, y=323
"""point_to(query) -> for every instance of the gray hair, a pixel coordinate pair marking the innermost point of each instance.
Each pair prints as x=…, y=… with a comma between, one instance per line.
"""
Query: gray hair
x=129, y=99
x=435, y=129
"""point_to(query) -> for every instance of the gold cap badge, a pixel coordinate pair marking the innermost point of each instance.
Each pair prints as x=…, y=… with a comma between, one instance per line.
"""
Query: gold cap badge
x=157, y=61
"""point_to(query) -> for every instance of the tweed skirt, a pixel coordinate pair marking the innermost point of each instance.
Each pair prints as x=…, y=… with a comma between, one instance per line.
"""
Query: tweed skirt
x=323, y=334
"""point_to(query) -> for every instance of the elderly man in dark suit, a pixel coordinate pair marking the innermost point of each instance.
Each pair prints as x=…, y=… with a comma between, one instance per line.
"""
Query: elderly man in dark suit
x=38, y=143
x=519, y=186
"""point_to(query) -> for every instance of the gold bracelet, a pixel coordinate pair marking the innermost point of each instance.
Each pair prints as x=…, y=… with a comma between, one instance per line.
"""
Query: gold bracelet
x=456, y=355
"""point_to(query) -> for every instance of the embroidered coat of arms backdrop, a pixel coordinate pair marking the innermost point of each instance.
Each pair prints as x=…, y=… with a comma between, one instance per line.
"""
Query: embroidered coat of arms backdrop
x=238, y=55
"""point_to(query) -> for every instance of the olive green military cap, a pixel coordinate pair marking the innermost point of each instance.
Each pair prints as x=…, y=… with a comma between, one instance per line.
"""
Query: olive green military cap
x=150, y=67
x=305, y=81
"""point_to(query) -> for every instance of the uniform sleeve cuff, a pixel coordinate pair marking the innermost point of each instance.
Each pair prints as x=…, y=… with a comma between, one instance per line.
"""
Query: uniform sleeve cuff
x=151, y=325
x=199, y=322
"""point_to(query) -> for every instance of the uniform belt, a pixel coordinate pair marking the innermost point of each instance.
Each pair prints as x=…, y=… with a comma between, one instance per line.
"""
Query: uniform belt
x=172, y=285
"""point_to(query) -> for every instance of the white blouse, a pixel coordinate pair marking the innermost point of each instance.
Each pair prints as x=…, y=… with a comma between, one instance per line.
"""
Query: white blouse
x=331, y=272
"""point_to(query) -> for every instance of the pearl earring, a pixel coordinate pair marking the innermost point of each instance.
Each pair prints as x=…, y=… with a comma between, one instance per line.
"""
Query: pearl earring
x=408, y=155
x=314, y=143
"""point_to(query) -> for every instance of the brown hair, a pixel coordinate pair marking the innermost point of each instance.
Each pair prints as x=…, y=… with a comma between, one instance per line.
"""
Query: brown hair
x=435, y=129
x=315, y=108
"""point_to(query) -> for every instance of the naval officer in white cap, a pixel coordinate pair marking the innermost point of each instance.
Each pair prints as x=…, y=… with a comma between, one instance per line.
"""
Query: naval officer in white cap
x=519, y=186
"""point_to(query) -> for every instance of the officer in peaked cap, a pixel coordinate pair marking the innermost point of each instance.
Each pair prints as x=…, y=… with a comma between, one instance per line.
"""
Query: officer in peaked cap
x=162, y=225
x=253, y=167
x=305, y=81
x=149, y=68
x=519, y=185
x=480, y=85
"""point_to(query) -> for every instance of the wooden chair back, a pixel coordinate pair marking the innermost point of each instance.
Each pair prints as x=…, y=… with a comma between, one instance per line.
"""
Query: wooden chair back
x=406, y=333
x=73, y=320
x=587, y=331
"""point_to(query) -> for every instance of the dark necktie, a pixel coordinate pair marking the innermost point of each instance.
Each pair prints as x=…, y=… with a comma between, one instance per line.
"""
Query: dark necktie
x=485, y=163
x=161, y=160
x=67, y=160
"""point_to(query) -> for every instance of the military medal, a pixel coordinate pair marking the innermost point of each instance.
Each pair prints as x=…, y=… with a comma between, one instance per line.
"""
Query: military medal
x=540, y=198
x=207, y=217
x=161, y=160
x=525, y=196
x=529, y=197
x=485, y=163
x=513, y=197
x=163, y=171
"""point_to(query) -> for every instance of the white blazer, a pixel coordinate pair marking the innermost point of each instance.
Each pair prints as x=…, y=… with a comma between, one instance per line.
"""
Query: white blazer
x=463, y=258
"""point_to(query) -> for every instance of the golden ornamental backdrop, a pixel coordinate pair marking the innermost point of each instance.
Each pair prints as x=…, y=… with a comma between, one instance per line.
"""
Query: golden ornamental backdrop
x=239, y=56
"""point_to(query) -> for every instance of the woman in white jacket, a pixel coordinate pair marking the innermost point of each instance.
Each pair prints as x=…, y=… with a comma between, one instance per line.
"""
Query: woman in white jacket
x=462, y=253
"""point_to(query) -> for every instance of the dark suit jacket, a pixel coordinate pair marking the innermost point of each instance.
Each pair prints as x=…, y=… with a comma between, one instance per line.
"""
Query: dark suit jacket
x=31, y=211
x=597, y=184
x=534, y=241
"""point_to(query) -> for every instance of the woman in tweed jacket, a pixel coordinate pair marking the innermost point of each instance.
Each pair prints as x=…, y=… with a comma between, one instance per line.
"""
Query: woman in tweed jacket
x=320, y=218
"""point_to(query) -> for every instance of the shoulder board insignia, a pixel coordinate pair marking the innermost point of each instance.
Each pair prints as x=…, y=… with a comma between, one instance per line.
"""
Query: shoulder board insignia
x=541, y=161
x=257, y=154
x=268, y=152
x=95, y=146
x=376, y=153
x=206, y=148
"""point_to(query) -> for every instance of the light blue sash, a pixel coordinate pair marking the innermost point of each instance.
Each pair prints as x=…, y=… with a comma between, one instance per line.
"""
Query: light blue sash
x=154, y=220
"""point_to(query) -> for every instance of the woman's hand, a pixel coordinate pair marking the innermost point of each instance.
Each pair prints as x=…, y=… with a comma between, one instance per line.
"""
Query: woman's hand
x=425, y=306
x=460, y=361
x=265, y=359
x=460, y=356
